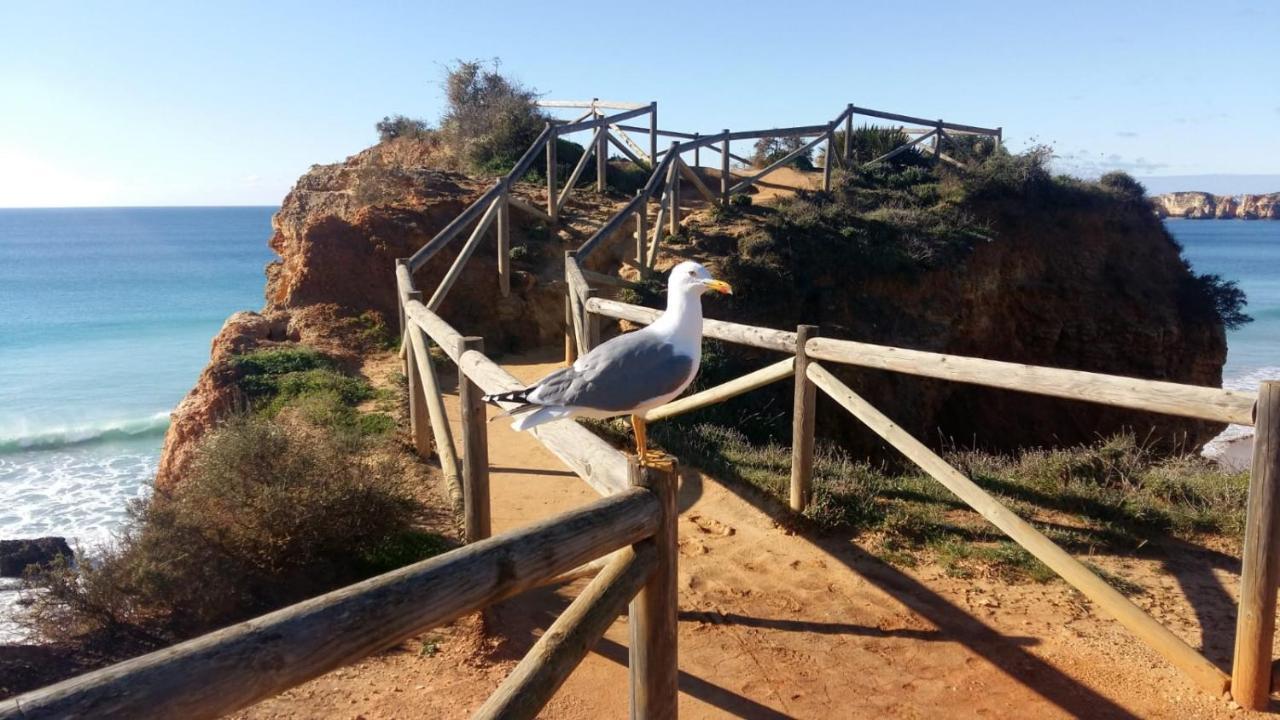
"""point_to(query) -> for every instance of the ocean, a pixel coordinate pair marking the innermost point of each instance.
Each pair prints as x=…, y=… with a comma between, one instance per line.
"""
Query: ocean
x=1248, y=252
x=106, y=317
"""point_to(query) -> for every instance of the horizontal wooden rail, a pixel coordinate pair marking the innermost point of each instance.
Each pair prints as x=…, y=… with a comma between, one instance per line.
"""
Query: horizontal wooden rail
x=799, y=131
x=663, y=133
x=1206, y=403
x=224, y=671
x=602, y=104
x=751, y=335
x=602, y=121
x=923, y=121
x=550, y=661
x=724, y=391
x=1142, y=625
x=594, y=460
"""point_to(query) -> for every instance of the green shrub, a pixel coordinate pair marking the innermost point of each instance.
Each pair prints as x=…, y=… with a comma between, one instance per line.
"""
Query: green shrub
x=1210, y=296
x=871, y=142
x=270, y=514
x=740, y=200
x=260, y=370
x=398, y=126
x=490, y=120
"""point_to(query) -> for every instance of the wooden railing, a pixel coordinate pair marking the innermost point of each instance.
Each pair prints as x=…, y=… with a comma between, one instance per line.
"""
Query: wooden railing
x=1250, y=680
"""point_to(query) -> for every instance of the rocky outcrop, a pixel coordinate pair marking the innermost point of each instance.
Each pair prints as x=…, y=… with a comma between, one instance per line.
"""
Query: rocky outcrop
x=17, y=555
x=1203, y=206
x=1096, y=286
x=338, y=235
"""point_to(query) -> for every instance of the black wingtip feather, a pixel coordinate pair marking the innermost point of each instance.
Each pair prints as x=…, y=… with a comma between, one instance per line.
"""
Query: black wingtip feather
x=514, y=396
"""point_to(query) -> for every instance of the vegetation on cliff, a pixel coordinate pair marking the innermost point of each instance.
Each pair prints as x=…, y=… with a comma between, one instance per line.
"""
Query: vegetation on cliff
x=295, y=495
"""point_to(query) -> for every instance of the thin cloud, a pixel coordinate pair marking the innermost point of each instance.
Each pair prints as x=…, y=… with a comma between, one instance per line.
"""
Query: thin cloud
x=1085, y=164
x=1126, y=134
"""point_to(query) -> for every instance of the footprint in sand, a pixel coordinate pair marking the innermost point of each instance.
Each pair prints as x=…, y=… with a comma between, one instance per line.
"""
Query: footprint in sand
x=711, y=526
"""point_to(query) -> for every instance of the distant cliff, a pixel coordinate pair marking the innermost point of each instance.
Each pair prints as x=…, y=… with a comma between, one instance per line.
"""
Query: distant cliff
x=1205, y=206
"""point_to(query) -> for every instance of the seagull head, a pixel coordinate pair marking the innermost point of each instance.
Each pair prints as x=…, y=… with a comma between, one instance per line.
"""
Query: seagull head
x=691, y=278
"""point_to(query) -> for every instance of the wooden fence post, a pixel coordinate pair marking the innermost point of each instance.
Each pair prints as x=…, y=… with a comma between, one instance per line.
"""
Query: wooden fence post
x=999, y=138
x=802, y=424
x=830, y=160
x=504, y=244
x=475, y=450
x=590, y=323
x=673, y=192
x=848, y=135
x=419, y=417
x=724, y=170
x=697, y=151
x=602, y=158
x=653, y=133
x=653, y=658
x=642, y=219
x=1256, y=621
x=551, y=176
x=570, y=347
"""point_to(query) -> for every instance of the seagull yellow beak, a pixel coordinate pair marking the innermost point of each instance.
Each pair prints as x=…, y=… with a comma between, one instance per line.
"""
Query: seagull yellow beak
x=719, y=286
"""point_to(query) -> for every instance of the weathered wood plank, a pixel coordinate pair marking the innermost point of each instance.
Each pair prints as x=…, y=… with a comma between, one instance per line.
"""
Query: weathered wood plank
x=475, y=451
x=654, y=659
x=557, y=653
x=604, y=121
x=590, y=150
x=221, y=672
x=760, y=337
x=473, y=242
x=733, y=388
x=504, y=245
x=1204, y=673
x=442, y=238
x=803, y=423
x=442, y=434
x=922, y=121
x=1260, y=569
x=1150, y=395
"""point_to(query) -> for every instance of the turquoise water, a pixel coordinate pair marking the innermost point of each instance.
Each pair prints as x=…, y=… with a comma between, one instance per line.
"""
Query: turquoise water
x=105, y=321
x=1247, y=252
x=106, y=317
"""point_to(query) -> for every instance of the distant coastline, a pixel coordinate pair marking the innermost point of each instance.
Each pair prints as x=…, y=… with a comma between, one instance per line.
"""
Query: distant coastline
x=1195, y=205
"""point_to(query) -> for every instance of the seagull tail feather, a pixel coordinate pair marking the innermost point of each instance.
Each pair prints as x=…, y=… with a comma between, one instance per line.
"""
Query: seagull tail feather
x=515, y=396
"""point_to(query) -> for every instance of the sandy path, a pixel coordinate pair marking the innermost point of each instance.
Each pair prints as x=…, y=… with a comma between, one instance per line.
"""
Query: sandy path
x=777, y=625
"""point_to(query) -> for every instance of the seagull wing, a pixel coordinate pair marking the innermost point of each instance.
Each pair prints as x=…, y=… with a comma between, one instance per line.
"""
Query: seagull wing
x=620, y=375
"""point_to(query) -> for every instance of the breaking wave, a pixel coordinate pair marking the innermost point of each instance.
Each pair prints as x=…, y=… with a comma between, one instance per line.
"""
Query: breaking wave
x=55, y=438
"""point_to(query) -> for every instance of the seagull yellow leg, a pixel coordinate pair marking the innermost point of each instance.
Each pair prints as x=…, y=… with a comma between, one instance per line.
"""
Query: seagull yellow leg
x=642, y=440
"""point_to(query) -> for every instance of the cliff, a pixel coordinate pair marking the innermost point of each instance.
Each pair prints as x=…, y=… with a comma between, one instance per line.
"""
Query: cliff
x=1202, y=205
x=338, y=234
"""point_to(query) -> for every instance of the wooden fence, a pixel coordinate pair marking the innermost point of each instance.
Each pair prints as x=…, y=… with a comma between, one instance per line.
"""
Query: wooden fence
x=1250, y=680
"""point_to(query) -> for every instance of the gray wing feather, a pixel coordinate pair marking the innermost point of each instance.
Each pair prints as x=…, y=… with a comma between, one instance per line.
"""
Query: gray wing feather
x=621, y=374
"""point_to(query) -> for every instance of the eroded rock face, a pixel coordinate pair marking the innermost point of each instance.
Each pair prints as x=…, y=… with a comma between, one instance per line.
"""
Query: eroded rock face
x=338, y=235
x=215, y=394
x=1202, y=206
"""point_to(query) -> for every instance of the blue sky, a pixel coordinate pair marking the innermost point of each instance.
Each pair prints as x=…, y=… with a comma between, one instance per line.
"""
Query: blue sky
x=129, y=103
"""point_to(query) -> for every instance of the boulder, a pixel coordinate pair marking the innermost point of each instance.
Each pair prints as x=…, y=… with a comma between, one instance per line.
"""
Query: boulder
x=17, y=555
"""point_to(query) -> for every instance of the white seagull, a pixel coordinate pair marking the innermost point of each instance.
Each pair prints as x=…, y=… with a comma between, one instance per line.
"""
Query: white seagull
x=631, y=373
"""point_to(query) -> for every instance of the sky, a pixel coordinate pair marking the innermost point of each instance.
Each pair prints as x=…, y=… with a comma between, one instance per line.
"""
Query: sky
x=151, y=103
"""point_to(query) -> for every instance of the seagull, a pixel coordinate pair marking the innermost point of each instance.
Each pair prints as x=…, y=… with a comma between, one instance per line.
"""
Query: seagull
x=630, y=373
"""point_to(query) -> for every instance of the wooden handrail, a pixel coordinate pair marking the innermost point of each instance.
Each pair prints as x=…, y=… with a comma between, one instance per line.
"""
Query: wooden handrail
x=557, y=653
x=733, y=388
x=751, y=335
x=1158, y=396
x=1157, y=636
x=923, y=121
x=602, y=121
x=224, y=671
x=594, y=460
x=1205, y=403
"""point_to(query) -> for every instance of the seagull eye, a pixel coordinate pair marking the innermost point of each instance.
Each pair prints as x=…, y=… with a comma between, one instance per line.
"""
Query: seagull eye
x=693, y=273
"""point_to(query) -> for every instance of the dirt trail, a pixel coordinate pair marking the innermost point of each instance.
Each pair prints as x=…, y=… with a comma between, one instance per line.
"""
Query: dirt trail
x=778, y=625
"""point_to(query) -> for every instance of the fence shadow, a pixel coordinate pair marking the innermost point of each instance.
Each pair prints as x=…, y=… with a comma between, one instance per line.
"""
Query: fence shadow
x=953, y=623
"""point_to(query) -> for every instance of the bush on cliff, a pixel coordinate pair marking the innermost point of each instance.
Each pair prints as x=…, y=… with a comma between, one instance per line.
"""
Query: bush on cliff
x=273, y=512
x=491, y=120
x=398, y=126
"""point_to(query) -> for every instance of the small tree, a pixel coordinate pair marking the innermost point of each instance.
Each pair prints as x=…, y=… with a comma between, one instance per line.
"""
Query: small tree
x=491, y=120
x=397, y=126
x=770, y=149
